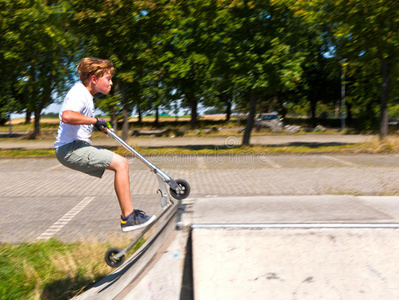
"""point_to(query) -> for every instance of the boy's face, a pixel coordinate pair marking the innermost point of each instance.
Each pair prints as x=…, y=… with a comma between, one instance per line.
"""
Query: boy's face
x=103, y=84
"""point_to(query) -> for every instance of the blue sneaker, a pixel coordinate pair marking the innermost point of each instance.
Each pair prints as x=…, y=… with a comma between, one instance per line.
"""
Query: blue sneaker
x=138, y=219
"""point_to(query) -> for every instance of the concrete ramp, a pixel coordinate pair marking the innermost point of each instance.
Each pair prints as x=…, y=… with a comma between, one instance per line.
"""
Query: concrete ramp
x=123, y=279
x=295, y=263
x=296, y=248
x=272, y=247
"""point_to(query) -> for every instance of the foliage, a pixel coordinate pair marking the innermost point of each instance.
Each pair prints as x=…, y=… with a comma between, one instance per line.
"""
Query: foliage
x=257, y=55
x=37, y=51
x=365, y=33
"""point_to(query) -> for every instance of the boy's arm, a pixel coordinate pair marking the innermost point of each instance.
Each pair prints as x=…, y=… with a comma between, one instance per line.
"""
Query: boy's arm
x=74, y=118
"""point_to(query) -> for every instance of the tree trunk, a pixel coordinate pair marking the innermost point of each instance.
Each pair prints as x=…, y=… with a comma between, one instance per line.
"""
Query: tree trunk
x=176, y=111
x=385, y=65
x=283, y=110
x=313, y=105
x=125, y=126
x=193, y=121
x=28, y=117
x=36, y=130
x=156, y=121
x=228, y=100
x=140, y=114
x=114, y=119
x=228, y=110
x=251, y=117
x=349, y=117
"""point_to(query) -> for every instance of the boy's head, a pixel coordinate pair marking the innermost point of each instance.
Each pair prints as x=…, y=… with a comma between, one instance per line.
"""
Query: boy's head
x=90, y=66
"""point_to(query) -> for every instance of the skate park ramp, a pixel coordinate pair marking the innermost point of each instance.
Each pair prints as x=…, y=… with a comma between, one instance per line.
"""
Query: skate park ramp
x=274, y=247
x=136, y=266
x=259, y=263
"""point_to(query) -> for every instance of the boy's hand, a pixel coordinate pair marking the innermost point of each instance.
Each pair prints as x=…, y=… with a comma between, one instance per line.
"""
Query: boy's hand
x=102, y=125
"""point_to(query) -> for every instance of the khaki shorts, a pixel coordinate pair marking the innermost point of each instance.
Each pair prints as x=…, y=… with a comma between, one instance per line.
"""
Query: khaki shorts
x=84, y=157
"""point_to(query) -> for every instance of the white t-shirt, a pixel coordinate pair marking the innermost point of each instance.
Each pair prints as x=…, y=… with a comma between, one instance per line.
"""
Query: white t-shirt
x=80, y=100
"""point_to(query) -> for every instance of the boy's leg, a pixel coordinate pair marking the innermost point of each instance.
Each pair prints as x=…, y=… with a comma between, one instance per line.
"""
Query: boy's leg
x=93, y=161
x=131, y=219
x=120, y=166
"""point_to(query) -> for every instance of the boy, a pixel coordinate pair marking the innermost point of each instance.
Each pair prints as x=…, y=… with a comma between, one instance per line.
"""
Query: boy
x=73, y=147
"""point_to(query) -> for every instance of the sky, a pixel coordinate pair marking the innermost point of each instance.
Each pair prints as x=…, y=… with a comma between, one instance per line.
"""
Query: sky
x=56, y=107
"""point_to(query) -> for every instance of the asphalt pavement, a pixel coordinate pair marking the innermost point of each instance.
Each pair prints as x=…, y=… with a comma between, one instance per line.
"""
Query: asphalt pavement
x=41, y=191
x=51, y=192
x=299, y=224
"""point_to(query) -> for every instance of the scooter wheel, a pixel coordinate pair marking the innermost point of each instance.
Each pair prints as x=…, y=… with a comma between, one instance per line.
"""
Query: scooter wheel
x=111, y=260
x=179, y=226
x=183, y=193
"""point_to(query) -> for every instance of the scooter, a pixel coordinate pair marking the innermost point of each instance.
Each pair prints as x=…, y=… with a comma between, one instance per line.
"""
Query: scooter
x=179, y=189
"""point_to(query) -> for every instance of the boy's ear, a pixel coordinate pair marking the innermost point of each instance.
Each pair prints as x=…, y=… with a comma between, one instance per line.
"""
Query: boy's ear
x=93, y=79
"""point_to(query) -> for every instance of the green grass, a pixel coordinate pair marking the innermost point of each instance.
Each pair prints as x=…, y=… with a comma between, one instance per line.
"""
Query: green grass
x=254, y=150
x=28, y=127
x=372, y=147
x=26, y=153
x=50, y=269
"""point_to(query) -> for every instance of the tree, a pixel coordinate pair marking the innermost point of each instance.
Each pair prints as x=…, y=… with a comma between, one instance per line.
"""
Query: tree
x=190, y=40
x=363, y=29
x=41, y=65
x=12, y=98
x=118, y=30
x=156, y=89
x=261, y=41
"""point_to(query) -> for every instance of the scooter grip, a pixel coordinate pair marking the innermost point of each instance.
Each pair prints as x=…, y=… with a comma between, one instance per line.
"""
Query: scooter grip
x=102, y=124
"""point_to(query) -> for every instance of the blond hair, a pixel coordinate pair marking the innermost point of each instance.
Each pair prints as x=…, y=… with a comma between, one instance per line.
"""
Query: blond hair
x=89, y=66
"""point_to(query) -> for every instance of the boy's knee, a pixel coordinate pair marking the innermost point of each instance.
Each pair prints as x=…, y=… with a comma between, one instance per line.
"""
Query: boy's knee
x=119, y=163
x=124, y=163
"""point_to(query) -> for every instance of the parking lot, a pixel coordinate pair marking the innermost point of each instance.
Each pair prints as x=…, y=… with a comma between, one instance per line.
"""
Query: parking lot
x=35, y=194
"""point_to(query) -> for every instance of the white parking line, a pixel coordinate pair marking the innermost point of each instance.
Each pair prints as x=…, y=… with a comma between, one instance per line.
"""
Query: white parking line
x=272, y=163
x=2, y=161
x=54, y=167
x=201, y=163
x=57, y=226
x=341, y=161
